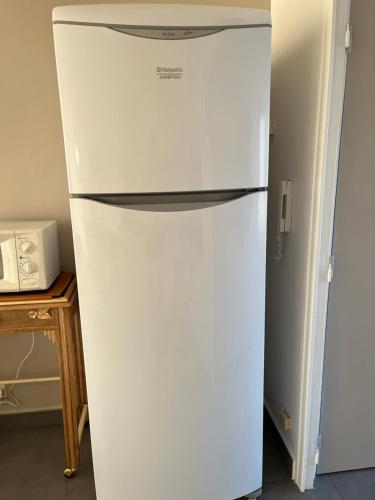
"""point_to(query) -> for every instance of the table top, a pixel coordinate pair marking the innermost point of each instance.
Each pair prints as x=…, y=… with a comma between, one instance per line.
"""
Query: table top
x=61, y=291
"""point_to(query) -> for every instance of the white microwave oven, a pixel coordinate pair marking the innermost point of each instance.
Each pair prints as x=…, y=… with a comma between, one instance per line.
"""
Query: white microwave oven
x=29, y=255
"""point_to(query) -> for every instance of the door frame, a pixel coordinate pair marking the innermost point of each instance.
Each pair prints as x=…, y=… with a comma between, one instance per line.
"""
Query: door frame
x=327, y=148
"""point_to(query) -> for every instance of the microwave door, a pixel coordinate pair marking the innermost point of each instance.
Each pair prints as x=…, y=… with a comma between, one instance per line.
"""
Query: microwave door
x=9, y=281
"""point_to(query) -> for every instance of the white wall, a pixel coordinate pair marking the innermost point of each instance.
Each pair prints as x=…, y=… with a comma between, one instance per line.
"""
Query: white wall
x=32, y=168
x=299, y=83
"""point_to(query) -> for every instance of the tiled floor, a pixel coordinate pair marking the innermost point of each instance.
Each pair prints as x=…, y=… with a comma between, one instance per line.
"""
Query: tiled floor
x=353, y=485
x=32, y=463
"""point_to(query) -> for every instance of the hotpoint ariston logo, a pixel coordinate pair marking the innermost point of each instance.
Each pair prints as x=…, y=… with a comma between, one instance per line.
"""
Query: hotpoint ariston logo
x=169, y=73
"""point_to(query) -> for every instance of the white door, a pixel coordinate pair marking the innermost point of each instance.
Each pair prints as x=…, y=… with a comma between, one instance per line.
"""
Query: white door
x=148, y=115
x=348, y=392
x=172, y=306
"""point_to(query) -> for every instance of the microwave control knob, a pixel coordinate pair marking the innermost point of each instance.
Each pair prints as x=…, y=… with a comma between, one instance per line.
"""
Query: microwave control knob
x=27, y=246
x=28, y=267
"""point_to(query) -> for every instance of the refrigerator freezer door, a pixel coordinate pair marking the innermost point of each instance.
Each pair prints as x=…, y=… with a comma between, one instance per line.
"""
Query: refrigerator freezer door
x=172, y=307
x=149, y=115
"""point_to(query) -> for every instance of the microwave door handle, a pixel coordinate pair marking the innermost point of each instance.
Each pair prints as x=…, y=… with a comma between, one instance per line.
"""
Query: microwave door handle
x=9, y=280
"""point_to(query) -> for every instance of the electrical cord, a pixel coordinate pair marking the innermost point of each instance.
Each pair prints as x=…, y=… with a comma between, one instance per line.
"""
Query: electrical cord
x=16, y=402
x=10, y=392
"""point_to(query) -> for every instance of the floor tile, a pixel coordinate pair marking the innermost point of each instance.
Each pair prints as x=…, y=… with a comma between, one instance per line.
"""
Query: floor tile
x=32, y=464
x=287, y=490
x=82, y=489
x=355, y=485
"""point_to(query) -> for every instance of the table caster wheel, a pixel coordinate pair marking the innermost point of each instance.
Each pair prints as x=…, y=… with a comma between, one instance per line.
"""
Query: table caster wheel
x=69, y=472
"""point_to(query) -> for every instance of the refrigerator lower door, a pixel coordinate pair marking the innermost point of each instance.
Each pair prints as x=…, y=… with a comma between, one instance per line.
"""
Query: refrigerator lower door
x=172, y=306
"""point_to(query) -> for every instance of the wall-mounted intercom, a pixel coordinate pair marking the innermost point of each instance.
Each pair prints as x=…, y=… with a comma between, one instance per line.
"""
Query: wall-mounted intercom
x=284, y=221
x=285, y=209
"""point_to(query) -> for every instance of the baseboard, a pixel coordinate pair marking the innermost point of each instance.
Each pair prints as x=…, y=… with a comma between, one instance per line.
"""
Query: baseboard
x=273, y=425
x=39, y=418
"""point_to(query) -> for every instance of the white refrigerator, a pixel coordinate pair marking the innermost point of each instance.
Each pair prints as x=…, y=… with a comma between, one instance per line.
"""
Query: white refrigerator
x=165, y=112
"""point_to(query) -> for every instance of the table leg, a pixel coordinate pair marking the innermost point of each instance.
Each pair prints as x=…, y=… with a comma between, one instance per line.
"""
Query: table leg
x=67, y=366
x=80, y=361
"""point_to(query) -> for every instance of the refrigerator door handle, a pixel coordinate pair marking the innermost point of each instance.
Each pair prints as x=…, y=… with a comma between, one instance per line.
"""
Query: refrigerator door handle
x=169, y=202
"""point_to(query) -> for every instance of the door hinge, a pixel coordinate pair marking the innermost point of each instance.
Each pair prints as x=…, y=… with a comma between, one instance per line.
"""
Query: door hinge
x=318, y=447
x=348, y=39
x=331, y=268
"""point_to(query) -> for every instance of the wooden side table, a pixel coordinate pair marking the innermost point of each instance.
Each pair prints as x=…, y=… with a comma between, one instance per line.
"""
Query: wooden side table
x=55, y=312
